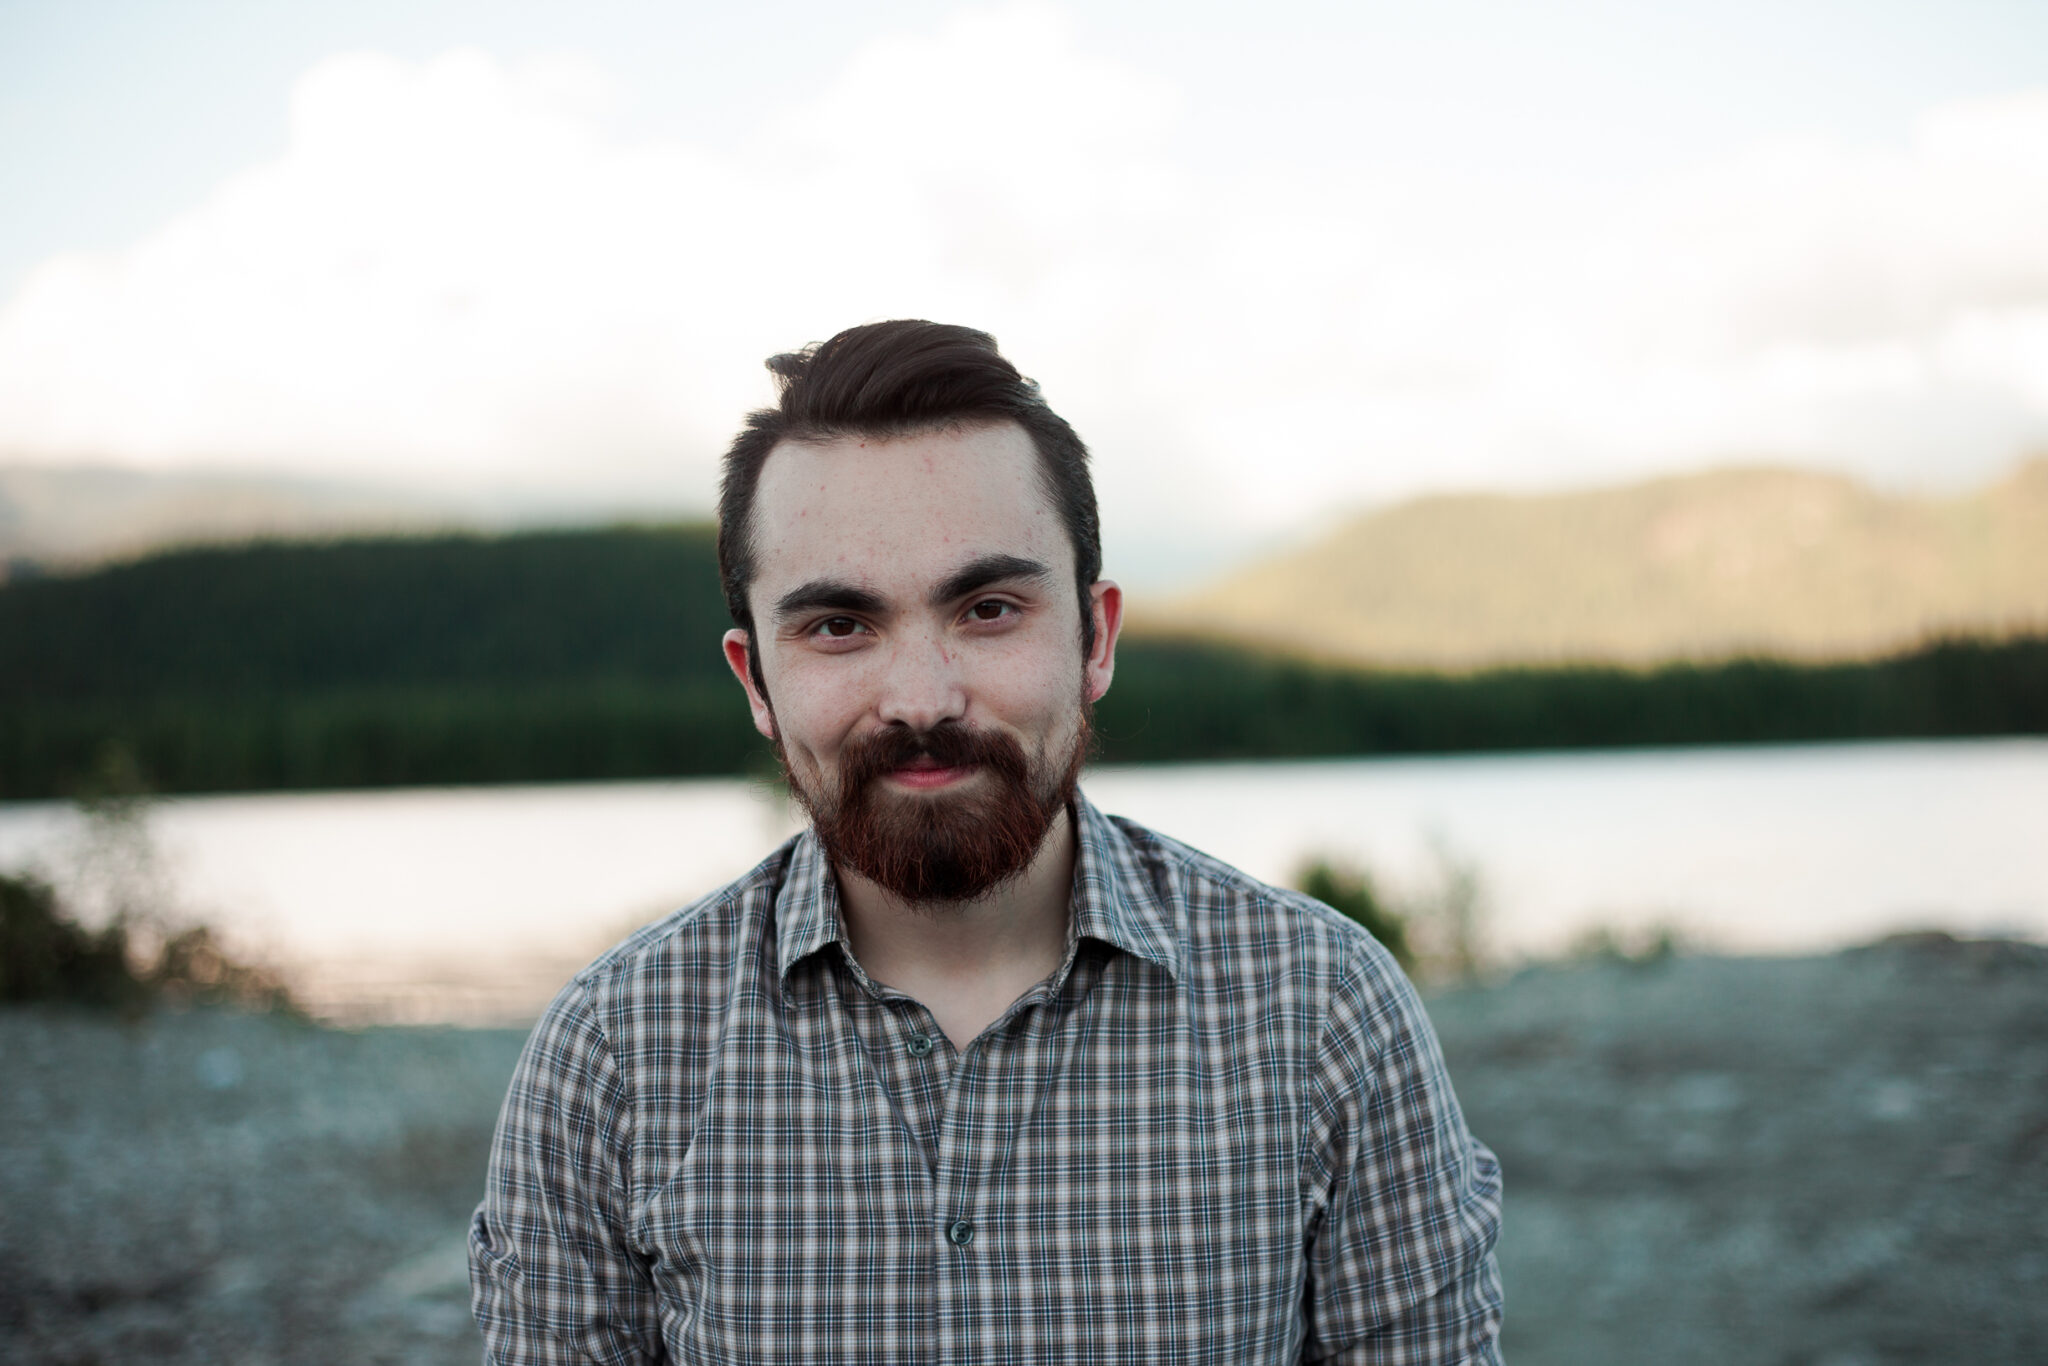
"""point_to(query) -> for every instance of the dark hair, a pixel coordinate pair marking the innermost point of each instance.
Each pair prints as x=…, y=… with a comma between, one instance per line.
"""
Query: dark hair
x=895, y=379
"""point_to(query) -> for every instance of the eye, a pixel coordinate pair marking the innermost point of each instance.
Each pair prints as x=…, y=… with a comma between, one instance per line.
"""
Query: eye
x=992, y=609
x=837, y=628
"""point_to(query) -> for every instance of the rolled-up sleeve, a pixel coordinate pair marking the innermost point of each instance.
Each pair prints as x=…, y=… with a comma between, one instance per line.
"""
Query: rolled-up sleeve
x=553, y=1277
x=1403, y=1203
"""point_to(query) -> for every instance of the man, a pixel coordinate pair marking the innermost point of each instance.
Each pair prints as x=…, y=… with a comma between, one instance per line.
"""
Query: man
x=969, y=1072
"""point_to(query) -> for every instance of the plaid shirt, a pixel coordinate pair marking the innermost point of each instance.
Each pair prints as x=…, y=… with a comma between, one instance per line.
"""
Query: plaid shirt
x=1220, y=1132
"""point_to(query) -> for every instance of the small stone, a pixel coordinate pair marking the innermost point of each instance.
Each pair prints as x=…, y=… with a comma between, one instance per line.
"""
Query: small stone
x=220, y=1069
x=1894, y=1100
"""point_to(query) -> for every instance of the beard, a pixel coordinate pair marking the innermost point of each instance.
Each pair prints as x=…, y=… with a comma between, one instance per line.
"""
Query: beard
x=946, y=846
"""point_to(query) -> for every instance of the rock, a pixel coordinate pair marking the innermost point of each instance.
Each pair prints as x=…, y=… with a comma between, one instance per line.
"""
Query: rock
x=1825, y=1160
x=1841, y=1158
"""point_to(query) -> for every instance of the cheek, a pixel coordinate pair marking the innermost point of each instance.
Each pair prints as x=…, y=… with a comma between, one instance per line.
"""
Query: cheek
x=1040, y=694
x=813, y=712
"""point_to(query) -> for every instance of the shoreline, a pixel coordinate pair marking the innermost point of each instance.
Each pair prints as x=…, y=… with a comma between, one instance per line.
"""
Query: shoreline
x=1830, y=1159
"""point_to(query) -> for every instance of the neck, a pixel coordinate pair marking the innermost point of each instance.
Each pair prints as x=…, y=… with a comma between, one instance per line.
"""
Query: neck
x=967, y=961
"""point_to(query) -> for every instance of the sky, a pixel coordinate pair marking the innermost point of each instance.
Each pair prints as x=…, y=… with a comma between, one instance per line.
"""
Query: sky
x=1274, y=266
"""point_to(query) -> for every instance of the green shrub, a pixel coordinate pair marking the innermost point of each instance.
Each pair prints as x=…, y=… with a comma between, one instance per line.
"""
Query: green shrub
x=1351, y=891
x=47, y=956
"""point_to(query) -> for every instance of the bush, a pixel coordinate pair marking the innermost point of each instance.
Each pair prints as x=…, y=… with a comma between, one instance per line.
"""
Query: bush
x=193, y=968
x=47, y=956
x=1352, y=892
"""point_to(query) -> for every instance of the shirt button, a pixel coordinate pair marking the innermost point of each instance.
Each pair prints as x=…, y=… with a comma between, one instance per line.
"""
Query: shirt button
x=919, y=1045
x=961, y=1232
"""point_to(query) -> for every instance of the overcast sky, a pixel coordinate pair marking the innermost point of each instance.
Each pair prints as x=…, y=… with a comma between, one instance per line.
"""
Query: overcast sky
x=1271, y=267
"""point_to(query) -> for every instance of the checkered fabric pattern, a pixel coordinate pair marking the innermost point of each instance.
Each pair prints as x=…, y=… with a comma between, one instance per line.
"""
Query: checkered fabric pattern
x=1220, y=1132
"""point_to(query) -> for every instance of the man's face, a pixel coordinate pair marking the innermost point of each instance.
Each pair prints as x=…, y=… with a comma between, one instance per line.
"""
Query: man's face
x=919, y=635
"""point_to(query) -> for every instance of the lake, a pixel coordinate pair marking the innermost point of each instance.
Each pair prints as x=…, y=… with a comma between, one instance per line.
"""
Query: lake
x=474, y=904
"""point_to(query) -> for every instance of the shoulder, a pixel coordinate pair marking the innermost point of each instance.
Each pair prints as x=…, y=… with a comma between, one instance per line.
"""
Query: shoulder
x=627, y=1041
x=1235, y=928
x=653, y=985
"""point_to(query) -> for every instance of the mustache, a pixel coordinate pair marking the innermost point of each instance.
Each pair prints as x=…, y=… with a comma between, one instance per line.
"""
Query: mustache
x=949, y=848
x=950, y=744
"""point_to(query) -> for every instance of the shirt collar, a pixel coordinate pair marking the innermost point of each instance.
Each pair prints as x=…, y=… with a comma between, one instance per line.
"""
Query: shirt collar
x=807, y=914
x=1115, y=899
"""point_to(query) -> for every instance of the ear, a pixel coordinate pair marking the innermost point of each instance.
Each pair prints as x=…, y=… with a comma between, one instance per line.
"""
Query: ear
x=1106, y=601
x=739, y=648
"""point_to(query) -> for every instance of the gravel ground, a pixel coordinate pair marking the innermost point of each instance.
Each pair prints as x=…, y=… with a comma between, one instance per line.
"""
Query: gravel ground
x=208, y=1187
x=1831, y=1161
x=1815, y=1162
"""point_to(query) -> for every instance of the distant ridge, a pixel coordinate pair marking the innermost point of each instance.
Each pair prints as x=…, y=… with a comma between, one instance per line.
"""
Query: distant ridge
x=70, y=517
x=1729, y=563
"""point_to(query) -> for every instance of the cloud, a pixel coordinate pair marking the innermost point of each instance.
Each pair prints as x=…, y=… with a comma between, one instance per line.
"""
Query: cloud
x=464, y=270
x=422, y=278
x=457, y=266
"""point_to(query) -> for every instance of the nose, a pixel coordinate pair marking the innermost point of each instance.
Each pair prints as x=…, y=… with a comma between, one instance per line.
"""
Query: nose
x=923, y=684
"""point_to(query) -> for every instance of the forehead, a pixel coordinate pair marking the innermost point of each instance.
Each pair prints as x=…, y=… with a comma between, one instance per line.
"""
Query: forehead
x=901, y=512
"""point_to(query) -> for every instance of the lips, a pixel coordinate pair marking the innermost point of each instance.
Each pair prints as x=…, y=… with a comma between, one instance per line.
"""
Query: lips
x=927, y=772
x=929, y=761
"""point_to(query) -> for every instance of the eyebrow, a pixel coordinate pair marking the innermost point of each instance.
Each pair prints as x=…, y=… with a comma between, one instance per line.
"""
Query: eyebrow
x=837, y=595
x=827, y=595
x=979, y=573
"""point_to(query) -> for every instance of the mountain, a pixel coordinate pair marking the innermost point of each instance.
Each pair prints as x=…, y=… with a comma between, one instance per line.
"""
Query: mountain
x=68, y=517
x=1733, y=562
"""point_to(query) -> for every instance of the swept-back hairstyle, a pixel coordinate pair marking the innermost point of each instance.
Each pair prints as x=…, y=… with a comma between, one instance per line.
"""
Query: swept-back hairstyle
x=894, y=379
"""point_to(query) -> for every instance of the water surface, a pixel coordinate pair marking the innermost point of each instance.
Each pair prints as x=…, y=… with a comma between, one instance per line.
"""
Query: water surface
x=475, y=903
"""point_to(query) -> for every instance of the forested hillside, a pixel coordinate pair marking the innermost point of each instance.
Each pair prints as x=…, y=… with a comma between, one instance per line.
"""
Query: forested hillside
x=539, y=656
x=594, y=654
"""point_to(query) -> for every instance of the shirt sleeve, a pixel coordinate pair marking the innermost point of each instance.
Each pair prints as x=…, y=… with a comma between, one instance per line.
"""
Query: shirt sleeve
x=553, y=1277
x=1404, y=1205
